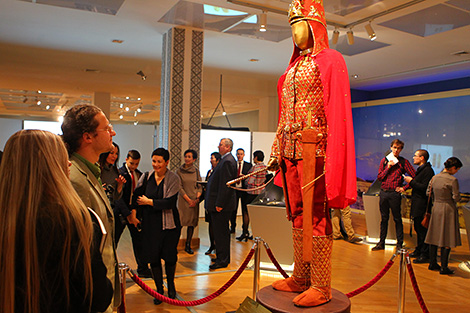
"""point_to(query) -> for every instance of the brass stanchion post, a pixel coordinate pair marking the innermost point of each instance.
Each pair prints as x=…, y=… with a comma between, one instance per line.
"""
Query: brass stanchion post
x=256, y=275
x=401, y=281
x=123, y=267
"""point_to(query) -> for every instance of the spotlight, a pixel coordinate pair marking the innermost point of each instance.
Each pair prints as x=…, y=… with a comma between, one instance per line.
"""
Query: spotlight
x=127, y=109
x=224, y=113
x=263, y=18
x=139, y=109
x=136, y=122
x=142, y=75
x=48, y=107
x=38, y=102
x=334, y=39
x=135, y=113
x=138, y=99
x=121, y=116
x=121, y=105
x=370, y=32
x=350, y=37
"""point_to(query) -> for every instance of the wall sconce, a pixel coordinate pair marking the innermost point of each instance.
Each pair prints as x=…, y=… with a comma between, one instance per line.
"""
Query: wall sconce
x=142, y=75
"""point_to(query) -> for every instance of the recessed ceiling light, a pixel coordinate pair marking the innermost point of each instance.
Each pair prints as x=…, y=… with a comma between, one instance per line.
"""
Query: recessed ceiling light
x=117, y=41
x=355, y=76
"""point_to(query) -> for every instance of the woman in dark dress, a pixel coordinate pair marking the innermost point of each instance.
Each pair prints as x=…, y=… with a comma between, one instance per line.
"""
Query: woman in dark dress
x=444, y=230
x=156, y=196
x=215, y=158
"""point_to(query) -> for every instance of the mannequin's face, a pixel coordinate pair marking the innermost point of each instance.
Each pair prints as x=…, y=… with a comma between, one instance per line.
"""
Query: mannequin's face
x=302, y=35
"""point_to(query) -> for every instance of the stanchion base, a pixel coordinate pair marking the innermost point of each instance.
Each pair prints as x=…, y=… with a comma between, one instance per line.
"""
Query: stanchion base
x=281, y=302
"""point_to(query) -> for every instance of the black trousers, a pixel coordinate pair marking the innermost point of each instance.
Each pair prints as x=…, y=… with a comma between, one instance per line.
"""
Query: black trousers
x=241, y=196
x=421, y=232
x=136, y=237
x=222, y=235
x=390, y=200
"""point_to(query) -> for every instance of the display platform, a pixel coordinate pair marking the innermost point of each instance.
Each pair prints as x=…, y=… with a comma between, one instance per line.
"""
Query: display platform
x=281, y=302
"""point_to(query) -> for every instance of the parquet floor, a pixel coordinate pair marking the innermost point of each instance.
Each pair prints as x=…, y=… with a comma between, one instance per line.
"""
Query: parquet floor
x=353, y=265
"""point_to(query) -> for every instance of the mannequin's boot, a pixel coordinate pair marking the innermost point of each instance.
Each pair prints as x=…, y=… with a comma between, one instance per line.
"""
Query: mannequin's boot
x=300, y=279
x=158, y=278
x=170, y=278
x=445, y=254
x=320, y=274
x=433, y=266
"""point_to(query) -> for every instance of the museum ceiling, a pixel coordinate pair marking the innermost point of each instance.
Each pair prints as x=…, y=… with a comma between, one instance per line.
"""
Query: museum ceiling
x=57, y=53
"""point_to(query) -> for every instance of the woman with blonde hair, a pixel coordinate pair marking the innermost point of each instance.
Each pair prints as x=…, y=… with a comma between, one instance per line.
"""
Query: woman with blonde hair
x=50, y=260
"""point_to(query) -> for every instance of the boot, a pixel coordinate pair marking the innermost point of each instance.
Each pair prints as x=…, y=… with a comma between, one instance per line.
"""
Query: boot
x=320, y=275
x=189, y=237
x=445, y=254
x=170, y=279
x=433, y=266
x=158, y=278
x=300, y=279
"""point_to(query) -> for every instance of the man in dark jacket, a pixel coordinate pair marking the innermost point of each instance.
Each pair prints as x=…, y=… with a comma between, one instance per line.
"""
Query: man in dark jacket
x=419, y=202
x=221, y=201
x=125, y=216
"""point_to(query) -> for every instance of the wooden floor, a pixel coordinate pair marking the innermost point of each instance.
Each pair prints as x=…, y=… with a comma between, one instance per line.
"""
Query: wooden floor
x=353, y=265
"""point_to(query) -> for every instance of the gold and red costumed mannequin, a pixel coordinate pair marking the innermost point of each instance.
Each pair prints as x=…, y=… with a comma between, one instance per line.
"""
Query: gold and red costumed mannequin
x=314, y=150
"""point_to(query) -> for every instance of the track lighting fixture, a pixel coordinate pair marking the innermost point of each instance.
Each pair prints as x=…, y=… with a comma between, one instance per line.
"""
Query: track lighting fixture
x=370, y=32
x=334, y=39
x=263, y=18
x=142, y=75
x=350, y=37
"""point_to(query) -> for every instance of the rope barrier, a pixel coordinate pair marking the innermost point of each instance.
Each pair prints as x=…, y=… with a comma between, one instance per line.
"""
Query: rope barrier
x=160, y=297
x=414, y=283
x=373, y=280
x=273, y=259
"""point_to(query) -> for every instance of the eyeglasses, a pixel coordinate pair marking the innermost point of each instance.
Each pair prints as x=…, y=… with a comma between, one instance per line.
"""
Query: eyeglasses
x=108, y=129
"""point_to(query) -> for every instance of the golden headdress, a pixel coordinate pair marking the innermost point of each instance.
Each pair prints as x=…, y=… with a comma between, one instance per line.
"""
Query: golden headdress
x=313, y=12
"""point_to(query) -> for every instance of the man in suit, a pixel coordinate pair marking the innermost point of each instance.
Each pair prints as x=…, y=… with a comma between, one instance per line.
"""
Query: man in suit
x=87, y=133
x=125, y=215
x=221, y=201
x=419, y=202
x=242, y=169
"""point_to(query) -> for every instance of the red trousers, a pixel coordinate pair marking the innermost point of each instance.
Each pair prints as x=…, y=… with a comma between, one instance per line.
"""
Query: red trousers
x=292, y=171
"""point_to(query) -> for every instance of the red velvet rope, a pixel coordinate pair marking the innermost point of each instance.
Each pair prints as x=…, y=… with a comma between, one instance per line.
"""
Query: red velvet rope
x=373, y=281
x=416, y=288
x=214, y=295
x=275, y=262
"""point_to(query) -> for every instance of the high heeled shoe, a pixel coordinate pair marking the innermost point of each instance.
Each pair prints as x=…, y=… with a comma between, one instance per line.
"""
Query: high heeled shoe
x=210, y=251
x=244, y=237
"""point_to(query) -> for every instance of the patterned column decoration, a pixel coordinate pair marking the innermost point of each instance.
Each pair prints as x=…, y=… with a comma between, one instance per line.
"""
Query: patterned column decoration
x=181, y=88
x=196, y=90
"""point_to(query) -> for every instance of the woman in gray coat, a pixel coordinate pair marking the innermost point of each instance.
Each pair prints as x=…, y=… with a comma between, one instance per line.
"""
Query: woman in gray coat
x=443, y=228
x=188, y=200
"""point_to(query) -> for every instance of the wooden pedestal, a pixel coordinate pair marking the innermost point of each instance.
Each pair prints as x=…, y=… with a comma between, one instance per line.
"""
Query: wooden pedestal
x=281, y=302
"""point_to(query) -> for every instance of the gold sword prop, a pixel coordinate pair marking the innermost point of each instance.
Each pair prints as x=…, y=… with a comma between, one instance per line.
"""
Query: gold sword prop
x=239, y=179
